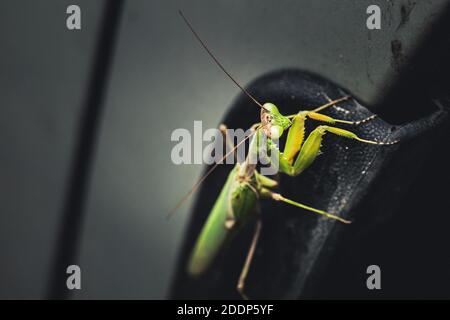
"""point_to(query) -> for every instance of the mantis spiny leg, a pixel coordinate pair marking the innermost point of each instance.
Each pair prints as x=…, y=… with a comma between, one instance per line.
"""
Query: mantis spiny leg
x=326, y=105
x=330, y=103
x=296, y=132
x=266, y=193
x=331, y=120
x=248, y=261
x=265, y=181
x=321, y=117
x=309, y=150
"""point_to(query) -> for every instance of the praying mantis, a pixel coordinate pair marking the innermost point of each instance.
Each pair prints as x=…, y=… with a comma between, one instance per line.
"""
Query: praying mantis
x=237, y=202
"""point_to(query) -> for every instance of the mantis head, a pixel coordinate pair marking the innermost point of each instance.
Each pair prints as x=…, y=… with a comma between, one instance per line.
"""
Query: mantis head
x=273, y=122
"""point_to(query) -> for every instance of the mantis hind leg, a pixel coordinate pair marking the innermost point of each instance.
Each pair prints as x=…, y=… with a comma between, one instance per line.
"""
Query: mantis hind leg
x=314, y=114
x=328, y=104
x=331, y=103
x=240, y=287
x=278, y=197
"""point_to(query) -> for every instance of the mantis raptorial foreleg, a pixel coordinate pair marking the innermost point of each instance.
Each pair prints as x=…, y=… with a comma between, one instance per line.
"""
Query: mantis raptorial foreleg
x=248, y=260
x=297, y=130
x=307, y=151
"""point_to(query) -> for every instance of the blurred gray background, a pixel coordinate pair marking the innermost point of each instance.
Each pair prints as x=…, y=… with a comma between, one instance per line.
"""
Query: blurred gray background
x=160, y=80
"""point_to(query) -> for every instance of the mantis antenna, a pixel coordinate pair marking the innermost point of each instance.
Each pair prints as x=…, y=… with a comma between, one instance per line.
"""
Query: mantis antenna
x=218, y=62
x=199, y=182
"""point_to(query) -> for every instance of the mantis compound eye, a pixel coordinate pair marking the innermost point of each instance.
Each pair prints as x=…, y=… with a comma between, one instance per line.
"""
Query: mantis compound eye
x=276, y=132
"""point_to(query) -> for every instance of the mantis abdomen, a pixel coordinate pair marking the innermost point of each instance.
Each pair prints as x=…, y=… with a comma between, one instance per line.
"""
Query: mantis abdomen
x=231, y=211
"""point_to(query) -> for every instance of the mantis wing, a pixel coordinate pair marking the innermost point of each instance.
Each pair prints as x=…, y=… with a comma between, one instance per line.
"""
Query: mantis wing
x=237, y=199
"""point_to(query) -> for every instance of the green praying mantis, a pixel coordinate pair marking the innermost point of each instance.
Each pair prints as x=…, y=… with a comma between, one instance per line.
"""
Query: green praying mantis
x=237, y=203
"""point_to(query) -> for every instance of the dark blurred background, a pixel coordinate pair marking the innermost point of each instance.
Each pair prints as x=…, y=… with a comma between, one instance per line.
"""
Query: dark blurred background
x=158, y=80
